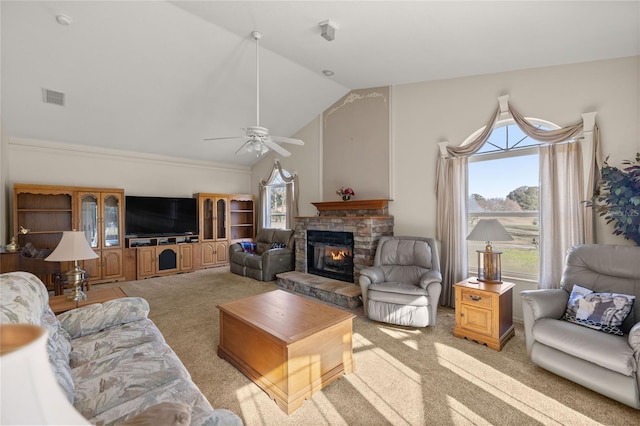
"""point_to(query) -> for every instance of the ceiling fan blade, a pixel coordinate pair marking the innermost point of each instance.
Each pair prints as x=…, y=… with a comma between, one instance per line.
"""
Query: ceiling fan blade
x=228, y=138
x=286, y=140
x=243, y=147
x=277, y=148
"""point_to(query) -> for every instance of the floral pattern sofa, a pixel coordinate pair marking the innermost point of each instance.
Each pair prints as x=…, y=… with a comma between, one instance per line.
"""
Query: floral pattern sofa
x=111, y=361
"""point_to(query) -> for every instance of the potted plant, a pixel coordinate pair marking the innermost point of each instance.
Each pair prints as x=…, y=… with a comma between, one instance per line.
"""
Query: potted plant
x=617, y=198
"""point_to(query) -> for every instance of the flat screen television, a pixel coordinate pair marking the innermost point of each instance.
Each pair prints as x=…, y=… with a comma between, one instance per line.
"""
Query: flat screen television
x=147, y=216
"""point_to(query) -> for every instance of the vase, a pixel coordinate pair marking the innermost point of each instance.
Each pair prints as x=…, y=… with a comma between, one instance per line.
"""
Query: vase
x=346, y=197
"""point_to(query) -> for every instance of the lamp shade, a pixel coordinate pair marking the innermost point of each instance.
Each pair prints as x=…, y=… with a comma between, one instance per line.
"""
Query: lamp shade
x=72, y=246
x=489, y=230
x=30, y=393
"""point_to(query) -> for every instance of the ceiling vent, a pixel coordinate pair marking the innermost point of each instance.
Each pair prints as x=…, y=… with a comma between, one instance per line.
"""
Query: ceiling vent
x=52, y=97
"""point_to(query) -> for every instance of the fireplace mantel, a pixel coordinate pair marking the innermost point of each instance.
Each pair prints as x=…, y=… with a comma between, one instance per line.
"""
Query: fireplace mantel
x=351, y=205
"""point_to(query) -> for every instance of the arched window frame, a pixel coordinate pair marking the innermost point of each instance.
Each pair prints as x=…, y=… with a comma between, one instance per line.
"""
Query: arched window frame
x=290, y=182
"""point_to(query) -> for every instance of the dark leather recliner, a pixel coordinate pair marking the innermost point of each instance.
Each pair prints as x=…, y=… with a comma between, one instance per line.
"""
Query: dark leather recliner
x=266, y=261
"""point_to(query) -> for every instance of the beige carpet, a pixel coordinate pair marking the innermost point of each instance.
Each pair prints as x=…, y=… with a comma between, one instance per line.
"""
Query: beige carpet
x=403, y=376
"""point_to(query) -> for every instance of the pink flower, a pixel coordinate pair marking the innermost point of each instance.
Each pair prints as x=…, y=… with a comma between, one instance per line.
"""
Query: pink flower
x=345, y=191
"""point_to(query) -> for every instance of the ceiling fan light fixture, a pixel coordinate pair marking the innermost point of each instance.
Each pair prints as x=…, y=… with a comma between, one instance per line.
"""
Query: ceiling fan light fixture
x=257, y=138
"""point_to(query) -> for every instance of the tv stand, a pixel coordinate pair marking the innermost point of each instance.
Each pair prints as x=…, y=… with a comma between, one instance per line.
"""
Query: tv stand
x=157, y=256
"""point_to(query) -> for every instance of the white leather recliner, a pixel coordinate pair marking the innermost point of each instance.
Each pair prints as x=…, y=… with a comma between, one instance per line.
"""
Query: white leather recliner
x=403, y=286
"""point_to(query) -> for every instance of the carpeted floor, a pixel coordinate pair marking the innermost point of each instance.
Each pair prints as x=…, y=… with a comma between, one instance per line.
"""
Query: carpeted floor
x=403, y=376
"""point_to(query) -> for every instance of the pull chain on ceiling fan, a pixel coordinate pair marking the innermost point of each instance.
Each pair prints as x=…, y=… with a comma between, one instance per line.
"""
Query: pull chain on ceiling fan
x=257, y=139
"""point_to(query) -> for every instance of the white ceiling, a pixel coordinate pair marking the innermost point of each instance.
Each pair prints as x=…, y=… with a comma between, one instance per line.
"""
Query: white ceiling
x=159, y=77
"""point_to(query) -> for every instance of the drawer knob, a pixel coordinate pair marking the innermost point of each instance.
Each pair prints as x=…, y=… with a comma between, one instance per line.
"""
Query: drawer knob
x=475, y=298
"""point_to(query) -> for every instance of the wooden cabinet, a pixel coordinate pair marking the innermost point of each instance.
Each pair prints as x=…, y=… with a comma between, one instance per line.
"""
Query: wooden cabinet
x=100, y=217
x=241, y=217
x=484, y=312
x=41, y=213
x=159, y=256
x=215, y=253
x=213, y=214
x=185, y=259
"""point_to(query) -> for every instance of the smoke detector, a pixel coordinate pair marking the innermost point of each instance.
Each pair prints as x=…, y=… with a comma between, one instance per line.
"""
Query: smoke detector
x=328, y=30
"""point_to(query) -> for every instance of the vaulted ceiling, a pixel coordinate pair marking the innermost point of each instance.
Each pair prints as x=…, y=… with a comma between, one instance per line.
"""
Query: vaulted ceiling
x=160, y=76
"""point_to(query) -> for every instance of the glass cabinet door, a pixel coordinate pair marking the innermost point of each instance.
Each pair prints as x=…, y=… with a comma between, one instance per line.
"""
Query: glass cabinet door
x=89, y=219
x=207, y=219
x=221, y=219
x=111, y=217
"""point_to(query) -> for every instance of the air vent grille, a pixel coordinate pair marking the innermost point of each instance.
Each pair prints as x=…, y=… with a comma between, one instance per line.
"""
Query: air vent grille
x=52, y=97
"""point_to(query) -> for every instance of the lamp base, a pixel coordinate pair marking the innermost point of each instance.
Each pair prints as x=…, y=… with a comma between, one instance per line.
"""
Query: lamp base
x=75, y=277
x=489, y=266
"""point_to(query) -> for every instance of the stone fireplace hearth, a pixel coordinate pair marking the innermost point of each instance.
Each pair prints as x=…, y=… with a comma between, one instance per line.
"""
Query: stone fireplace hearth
x=367, y=220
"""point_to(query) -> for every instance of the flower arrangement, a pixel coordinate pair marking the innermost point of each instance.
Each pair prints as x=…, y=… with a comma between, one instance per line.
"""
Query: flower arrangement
x=346, y=193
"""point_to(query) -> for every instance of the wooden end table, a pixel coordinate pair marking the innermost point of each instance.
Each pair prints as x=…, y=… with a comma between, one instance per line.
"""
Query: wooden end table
x=484, y=312
x=288, y=345
x=60, y=304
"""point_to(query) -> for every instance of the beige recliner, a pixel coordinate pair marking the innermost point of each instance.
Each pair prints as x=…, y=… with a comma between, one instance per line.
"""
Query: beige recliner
x=403, y=286
x=605, y=363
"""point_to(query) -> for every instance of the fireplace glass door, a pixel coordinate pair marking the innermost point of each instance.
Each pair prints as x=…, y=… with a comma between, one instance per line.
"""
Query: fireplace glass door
x=330, y=254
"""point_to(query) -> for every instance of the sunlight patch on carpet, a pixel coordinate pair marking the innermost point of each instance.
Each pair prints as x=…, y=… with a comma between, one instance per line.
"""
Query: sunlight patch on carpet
x=460, y=412
x=379, y=386
x=520, y=396
x=402, y=335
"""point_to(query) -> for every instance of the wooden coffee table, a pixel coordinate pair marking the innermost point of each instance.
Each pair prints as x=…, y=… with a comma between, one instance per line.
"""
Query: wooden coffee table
x=60, y=304
x=288, y=345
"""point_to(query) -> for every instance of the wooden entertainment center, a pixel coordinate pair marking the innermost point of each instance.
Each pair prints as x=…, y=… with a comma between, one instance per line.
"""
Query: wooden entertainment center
x=42, y=212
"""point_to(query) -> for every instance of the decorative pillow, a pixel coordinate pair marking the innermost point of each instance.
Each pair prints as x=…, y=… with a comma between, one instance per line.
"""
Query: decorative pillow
x=277, y=245
x=248, y=246
x=600, y=311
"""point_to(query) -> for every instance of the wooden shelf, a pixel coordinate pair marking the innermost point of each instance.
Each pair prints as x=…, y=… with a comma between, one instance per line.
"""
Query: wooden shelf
x=351, y=205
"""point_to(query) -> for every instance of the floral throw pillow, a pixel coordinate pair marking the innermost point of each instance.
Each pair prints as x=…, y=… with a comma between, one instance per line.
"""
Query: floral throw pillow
x=601, y=311
x=277, y=245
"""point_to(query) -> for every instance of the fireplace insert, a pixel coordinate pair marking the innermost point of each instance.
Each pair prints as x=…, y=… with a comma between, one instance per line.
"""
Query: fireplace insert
x=330, y=254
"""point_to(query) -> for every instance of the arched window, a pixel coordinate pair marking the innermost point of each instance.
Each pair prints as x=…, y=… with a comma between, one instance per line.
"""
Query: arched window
x=503, y=184
x=278, y=199
x=276, y=211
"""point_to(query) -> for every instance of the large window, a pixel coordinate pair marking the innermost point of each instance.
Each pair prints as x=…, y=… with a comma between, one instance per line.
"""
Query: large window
x=276, y=212
x=504, y=184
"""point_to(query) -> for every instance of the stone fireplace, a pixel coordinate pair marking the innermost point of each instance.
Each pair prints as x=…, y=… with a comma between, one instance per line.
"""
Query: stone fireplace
x=365, y=220
x=348, y=230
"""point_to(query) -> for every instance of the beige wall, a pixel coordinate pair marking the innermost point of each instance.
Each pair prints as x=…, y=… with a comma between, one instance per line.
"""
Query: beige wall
x=5, y=191
x=424, y=114
x=46, y=162
x=355, y=134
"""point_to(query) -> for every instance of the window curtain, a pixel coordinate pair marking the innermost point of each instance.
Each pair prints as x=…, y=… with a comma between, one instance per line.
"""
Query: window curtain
x=291, y=195
x=556, y=199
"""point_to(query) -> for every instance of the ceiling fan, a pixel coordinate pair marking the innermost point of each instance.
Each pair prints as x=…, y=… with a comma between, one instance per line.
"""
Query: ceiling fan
x=257, y=139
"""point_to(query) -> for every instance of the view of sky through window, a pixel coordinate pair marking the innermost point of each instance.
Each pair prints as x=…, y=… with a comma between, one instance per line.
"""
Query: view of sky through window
x=497, y=178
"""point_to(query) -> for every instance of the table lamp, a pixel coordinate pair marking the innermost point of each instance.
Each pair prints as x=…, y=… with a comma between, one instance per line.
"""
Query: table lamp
x=489, y=267
x=30, y=393
x=73, y=247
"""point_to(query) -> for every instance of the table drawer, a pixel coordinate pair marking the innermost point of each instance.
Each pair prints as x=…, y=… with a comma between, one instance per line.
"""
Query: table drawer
x=476, y=298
